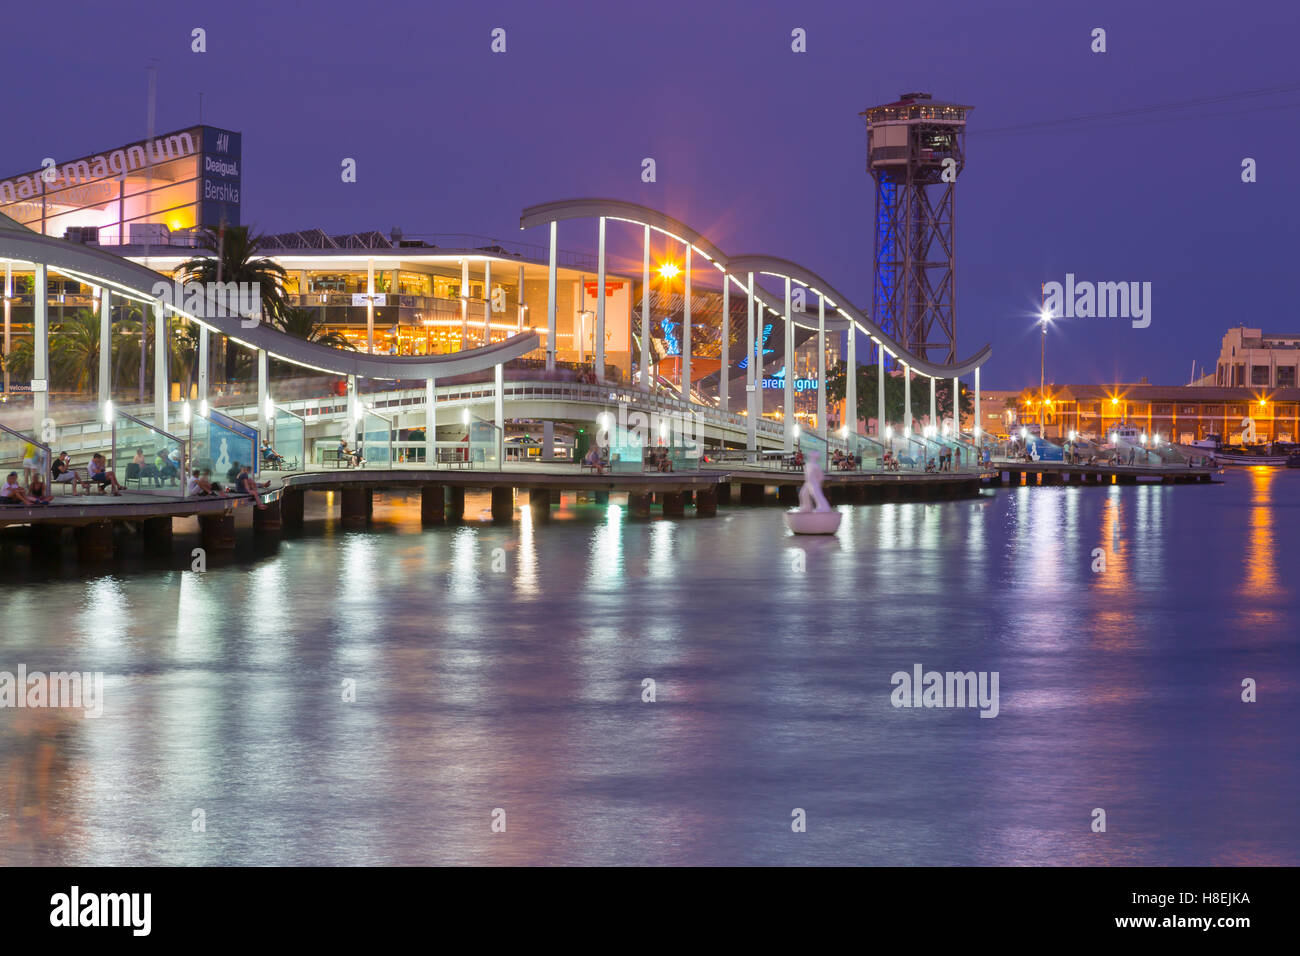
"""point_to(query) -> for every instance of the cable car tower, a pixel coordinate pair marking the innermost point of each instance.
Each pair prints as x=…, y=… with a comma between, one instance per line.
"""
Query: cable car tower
x=916, y=149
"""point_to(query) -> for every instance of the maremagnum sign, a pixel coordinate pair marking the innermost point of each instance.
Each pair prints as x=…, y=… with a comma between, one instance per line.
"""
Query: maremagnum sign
x=52, y=176
x=183, y=179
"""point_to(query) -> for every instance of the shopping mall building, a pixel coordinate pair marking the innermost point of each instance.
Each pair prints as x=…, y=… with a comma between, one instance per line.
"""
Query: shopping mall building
x=390, y=293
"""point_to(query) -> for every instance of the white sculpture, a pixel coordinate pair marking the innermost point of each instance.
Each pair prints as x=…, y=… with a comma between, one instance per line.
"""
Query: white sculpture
x=222, y=463
x=814, y=515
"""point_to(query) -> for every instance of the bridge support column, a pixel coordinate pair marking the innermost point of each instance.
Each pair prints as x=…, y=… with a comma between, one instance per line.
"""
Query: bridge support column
x=638, y=504
x=600, y=303
x=156, y=536
x=787, y=494
x=706, y=503
x=602, y=497
x=686, y=331
x=688, y=498
x=751, y=494
x=556, y=496
x=539, y=503
x=753, y=374
x=268, y=520
x=217, y=531
x=646, y=382
x=431, y=419
x=1013, y=479
x=40, y=345
x=433, y=504
x=674, y=504
x=788, y=420
x=724, y=493
x=292, y=501
x=94, y=541
x=46, y=541
x=263, y=421
x=106, y=350
x=499, y=412
x=161, y=387
x=503, y=503
x=357, y=503
x=455, y=510
x=550, y=303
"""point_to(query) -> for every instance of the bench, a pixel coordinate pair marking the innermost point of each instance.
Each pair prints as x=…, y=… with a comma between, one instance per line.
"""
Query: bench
x=336, y=458
x=81, y=482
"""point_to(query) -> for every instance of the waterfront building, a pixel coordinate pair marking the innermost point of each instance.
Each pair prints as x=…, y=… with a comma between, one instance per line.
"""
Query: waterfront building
x=1251, y=358
x=1180, y=413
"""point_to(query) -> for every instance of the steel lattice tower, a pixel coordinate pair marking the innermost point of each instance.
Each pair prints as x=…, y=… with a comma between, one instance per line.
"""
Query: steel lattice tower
x=914, y=291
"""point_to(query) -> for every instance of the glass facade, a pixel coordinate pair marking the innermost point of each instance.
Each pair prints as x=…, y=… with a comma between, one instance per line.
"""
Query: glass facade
x=155, y=191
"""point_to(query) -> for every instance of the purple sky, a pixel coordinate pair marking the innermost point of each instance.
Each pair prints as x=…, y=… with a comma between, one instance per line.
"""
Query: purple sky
x=758, y=147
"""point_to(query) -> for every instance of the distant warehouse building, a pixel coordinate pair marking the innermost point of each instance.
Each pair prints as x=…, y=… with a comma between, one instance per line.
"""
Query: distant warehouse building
x=1180, y=413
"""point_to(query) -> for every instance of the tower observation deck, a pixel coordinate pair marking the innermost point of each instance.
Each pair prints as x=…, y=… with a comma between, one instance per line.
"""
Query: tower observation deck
x=915, y=153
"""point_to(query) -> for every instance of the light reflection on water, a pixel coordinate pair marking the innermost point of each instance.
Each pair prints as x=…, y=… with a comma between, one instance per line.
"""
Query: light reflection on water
x=518, y=684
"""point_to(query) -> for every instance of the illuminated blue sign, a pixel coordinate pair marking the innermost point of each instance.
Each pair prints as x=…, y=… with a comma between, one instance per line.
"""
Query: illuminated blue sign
x=800, y=384
x=767, y=330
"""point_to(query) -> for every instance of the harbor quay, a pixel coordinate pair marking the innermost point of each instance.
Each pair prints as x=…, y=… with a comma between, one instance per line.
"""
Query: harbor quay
x=99, y=524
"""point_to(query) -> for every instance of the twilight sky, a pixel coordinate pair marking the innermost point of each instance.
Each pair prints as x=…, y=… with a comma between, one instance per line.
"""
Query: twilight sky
x=759, y=148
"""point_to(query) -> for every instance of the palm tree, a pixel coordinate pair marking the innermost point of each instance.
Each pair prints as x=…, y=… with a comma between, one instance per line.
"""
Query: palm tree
x=306, y=324
x=238, y=261
x=74, y=349
x=20, y=360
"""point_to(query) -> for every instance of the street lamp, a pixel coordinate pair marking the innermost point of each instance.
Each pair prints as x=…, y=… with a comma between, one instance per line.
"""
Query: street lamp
x=1044, y=317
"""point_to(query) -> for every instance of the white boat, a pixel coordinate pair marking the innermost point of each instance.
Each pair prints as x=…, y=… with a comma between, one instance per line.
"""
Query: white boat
x=1255, y=455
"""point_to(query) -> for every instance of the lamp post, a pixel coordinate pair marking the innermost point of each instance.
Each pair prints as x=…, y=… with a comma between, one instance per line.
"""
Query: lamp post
x=1043, y=319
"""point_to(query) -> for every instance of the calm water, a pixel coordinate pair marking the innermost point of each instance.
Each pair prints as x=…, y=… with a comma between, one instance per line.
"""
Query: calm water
x=521, y=689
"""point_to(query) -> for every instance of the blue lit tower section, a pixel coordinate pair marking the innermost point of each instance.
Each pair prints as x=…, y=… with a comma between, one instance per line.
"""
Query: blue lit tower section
x=916, y=152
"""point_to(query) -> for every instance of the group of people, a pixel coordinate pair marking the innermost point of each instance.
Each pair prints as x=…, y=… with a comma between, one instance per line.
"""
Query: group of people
x=35, y=491
x=242, y=482
x=845, y=461
x=163, y=467
x=12, y=493
x=352, y=456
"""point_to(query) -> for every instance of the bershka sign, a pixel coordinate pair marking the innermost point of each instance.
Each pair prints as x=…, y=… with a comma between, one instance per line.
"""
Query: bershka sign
x=119, y=162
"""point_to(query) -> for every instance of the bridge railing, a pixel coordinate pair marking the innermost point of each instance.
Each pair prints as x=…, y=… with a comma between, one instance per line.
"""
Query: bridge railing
x=150, y=457
x=18, y=450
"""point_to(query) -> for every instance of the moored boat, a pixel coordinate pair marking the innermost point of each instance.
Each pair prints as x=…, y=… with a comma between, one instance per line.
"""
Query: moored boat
x=1273, y=455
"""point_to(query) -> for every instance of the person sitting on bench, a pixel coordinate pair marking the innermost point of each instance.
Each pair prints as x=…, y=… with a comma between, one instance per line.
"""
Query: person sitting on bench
x=100, y=475
x=270, y=456
x=61, y=472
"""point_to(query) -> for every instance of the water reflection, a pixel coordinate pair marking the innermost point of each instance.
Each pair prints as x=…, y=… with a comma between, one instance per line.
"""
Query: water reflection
x=522, y=690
